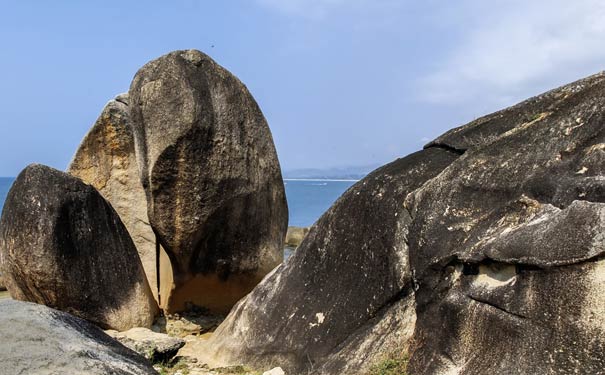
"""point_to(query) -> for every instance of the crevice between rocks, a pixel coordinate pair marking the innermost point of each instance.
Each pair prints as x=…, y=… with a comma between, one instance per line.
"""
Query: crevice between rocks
x=444, y=146
x=121, y=100
x=485, y=302
x=469, y=266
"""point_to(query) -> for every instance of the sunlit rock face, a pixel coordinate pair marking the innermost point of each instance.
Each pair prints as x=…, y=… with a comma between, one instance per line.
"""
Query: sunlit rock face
x=106, y=160
x=507, y=243
x=215, y=194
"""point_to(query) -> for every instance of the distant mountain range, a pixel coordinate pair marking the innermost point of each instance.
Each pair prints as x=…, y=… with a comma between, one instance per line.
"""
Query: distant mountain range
x=337, y=173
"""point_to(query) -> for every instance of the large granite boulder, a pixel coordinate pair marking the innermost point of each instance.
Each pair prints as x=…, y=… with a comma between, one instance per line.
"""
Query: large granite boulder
x=43, y=341
x=106, y=160
x=214, y=188
x=345, y=298
x=481, y=254
x=507, y=243
x=63, y=245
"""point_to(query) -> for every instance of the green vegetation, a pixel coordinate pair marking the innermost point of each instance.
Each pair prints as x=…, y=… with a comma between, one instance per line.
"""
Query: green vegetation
x=394, y=364
x=170, y=368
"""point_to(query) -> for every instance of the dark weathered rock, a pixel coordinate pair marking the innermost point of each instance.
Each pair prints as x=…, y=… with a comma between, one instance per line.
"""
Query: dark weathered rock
x=214, y=188
x=63, y=245
x=507, y=243
x=380, y=338
x=157, y=347
x=106, y=159
x=346, y=296
x=43, y=341
x=500, y=251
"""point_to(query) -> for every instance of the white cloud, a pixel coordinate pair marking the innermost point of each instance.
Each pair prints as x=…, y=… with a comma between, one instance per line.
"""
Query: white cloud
x=517, y=47
x=495, y=53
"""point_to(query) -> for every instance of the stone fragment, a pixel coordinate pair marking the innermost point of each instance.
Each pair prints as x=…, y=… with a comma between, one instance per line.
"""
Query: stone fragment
x=157, y=347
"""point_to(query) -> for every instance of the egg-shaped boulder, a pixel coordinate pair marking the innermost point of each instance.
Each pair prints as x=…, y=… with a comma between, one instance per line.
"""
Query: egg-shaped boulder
x=215, y=193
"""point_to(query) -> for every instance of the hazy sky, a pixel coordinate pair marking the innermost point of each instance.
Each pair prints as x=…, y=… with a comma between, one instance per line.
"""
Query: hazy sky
x=341, y=82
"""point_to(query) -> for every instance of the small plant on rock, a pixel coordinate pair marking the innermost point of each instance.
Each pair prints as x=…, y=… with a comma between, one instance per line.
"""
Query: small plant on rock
x=394, y=364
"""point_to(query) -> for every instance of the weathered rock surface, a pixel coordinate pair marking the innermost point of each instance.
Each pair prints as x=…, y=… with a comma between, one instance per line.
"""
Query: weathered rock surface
x=209, y=167
x=157, y=347
x=346, y=290
x=295, y=236
x=106, y=159
x=482, y=254
x=2, y=286
x=63, y=245
x=507, y=243
x=43, y=341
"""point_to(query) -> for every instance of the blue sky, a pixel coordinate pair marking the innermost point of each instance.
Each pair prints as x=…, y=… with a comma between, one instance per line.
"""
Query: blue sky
x=341, y=82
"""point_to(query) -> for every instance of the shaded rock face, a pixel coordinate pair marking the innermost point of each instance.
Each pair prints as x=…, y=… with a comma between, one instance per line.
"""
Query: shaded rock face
x=507, y=243
x=209, y=167
x=106, y=160
x=481, y=254
x=40, y=340
x=345, y=293
x=63, y=245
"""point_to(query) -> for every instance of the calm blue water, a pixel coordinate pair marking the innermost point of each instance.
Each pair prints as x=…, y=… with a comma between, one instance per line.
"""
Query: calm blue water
x=307, y=199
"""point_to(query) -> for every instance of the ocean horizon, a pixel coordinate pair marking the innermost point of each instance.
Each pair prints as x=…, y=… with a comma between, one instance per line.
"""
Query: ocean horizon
x=308, y=198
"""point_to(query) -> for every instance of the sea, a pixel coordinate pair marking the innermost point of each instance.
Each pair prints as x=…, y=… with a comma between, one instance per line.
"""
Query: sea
x=307, y=199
